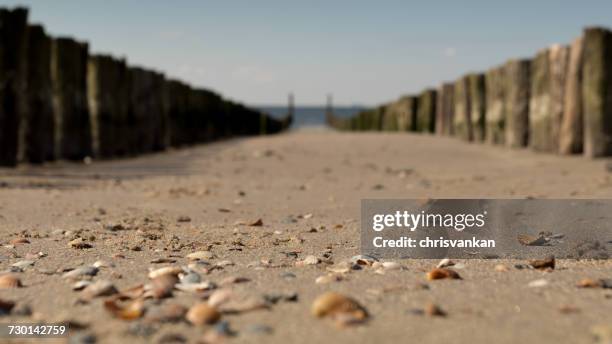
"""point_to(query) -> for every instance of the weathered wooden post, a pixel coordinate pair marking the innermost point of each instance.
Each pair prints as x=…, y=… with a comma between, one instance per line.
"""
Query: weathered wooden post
x=445, y=109
x=38, y=125
x=13, y=34
x=476, y=86
x=462, y=124
x=570, y=136
x=108, y=100
x=400, y=115
x=426, y=118
x=546, y=106
x=69, y=75
x=495, y=113
x=597, y=92
x=517, y=102
x=158, y=112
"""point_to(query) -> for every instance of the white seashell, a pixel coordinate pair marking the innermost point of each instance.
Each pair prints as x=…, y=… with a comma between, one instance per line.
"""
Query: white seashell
x=200, y=255
x=81, y=272
x=445, y=263
x=196, y=287
x=168, y=270
x=219, y=297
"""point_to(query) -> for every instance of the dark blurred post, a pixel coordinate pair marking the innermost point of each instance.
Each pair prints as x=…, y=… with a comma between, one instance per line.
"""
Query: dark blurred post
x=69, y=75
x=570, y=135
x=37, y=141
x=517, y=102
x=12, y=84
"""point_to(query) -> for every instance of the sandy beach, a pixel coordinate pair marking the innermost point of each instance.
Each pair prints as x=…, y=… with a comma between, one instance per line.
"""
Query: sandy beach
x=305, y=186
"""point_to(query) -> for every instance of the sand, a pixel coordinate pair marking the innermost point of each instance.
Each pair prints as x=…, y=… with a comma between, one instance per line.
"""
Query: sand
x=295, y=182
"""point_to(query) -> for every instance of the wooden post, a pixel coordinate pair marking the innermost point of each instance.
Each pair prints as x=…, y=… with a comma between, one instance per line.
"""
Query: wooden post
x=445, y=109
x=462, y=124
x=517, y=101
x=12, y=81
x=597, y=92
x=495, y=111
x=69, y=76
x=426, y=118
x=571, y=133
x=38, y=126
x=476, y=86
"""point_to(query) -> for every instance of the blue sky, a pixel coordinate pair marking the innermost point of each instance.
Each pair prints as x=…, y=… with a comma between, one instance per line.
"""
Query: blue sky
x=364, y=52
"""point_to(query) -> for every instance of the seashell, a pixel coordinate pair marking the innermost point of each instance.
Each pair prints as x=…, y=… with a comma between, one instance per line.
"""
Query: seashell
x=225, y=263
x=442, y=273
x=391, y=266
x=132, y=292
x=103, y=264
x=538, y=283
x=200, y=255
x=202, y=314
x=501, y=268
x=219, y=297
x=80, y=285
x=234, y=280
x=340, y=268
x=543, y=264
x=99, y=288
x=445, y=263
x=363, y=260
x=168, y=270
x=531, y=240
x=79, y=243
x=130, y=311
x=196, y=287
x=594, y=283
x=167, y=313
x=256, y=223
x=162, y=286
x=18, y=241
x=22, y=264
x=9, y=281
x=434, y=310
x=334, y=304
x=309, y=260
x=81, y=272
x=189, y=278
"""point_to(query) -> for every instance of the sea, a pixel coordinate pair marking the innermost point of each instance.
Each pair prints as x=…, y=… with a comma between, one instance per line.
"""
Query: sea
x=310, y=116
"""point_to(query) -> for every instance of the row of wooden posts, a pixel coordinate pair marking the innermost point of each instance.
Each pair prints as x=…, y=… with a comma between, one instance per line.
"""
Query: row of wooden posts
x=559, y=101
x=59, y=102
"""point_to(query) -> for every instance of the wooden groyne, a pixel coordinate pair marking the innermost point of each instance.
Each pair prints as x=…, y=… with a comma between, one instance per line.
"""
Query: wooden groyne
x=59, y=101
x=559, y=101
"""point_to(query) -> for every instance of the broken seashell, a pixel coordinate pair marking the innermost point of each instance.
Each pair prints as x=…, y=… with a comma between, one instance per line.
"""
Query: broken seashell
x=542, y=264
x=79, y=243
x=80, y=285
x=9, y=281
x=531, y=240
x=434, y=310
x=18, y=241
x=98, y=288
x=195, y=287
x=162, y=286
x=219, y=297
x=501, y=268
x=442, y=273
x=168, y=270
x=309, y=260
x=391, y=266
x=594, y=283
x=131, y=311
x=200, y=255
x=81, y=272
x=103, y=264
x=363, y=260
x=333, y=304
x=445, y=263
x=234, y=280
x=202, y=314
x=538, y=283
